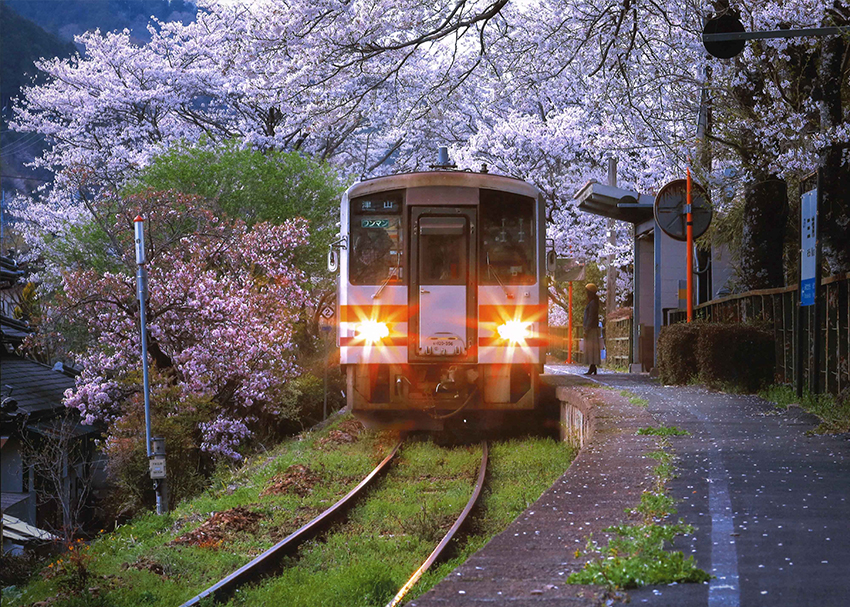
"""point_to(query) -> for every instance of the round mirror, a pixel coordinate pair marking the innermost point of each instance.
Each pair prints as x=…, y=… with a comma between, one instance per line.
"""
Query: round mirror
x=333, y=260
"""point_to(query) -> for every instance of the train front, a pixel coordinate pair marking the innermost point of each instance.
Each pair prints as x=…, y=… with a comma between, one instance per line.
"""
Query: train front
x=442, y=299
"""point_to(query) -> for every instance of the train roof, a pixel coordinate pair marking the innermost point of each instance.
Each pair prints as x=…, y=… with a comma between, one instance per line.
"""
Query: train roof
x=463, y=179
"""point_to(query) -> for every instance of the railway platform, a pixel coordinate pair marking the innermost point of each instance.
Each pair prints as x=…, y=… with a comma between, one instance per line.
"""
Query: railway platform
x=769, y=500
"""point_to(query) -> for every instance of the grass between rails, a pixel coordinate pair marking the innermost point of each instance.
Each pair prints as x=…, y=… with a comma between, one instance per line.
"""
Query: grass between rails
x=636, y=555
x=833, y=412
x=362, y=562
x=366, y=561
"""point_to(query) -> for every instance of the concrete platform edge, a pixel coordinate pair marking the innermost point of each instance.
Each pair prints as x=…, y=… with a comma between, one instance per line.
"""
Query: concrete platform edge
x=528, y=563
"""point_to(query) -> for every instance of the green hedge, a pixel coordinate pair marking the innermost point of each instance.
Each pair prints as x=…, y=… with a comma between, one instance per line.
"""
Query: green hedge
x=677, y=353
x=721, y=355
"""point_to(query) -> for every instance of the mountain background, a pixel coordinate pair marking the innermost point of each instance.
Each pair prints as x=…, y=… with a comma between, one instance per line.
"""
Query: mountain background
x=35, y=29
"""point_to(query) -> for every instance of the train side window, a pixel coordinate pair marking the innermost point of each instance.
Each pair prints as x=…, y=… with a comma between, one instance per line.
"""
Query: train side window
x=442, y=251
x=377, y=240
x=507, y=238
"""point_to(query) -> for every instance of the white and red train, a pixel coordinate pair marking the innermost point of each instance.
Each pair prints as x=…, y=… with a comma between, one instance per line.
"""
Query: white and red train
x=442, y=303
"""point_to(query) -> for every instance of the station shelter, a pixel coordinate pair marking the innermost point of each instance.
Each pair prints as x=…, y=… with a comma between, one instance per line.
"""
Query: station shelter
x=659, y=263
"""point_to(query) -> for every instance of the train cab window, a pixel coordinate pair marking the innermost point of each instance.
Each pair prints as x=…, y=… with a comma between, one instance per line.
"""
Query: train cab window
x=376, y=239
x=507, y=238
x=442, y=251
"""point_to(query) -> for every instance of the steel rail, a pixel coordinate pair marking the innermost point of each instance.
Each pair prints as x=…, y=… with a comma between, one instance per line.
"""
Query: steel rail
x=479, y=485
x=271, y=557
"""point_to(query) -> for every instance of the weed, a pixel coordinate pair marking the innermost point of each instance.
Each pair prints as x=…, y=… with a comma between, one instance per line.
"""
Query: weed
x=634, y=399
x=662, y=431
x=654, y=506
x=635, y=555
x=833, y=412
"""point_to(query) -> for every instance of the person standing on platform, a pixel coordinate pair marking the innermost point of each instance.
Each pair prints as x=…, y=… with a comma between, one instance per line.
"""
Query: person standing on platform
x=592, y=353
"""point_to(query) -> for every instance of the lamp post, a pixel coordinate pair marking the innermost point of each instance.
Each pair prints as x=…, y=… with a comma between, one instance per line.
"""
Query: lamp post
x=156, y=461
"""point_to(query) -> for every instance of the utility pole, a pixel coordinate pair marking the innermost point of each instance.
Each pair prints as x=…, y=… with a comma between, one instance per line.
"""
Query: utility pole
x=156, y=457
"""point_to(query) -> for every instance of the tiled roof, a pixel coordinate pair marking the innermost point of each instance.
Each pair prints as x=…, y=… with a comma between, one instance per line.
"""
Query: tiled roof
x=12, y=330
x=35, y=387
x=9, y=499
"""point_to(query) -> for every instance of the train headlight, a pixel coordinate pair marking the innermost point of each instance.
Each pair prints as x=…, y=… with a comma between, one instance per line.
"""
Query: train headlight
x=372, y=331
x=515, y=330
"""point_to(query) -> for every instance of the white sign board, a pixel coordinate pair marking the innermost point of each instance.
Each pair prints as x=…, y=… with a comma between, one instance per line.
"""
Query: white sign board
x=157, y=466
x=808, y=247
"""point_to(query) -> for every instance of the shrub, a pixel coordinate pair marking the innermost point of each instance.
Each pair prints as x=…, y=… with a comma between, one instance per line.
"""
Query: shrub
x=722, y=355
x=677, y=353
x=735, y=355
x=188, y=466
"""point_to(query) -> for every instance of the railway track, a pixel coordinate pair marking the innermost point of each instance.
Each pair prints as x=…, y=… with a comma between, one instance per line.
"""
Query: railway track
x=476, y=492
x=270, y=559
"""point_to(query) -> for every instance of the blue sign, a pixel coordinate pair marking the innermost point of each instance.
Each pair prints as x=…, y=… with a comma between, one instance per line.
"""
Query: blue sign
x=808, y=247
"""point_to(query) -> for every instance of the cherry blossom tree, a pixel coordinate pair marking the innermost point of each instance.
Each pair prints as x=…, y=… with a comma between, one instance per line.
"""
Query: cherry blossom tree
x=540, y=89
x=222, y=304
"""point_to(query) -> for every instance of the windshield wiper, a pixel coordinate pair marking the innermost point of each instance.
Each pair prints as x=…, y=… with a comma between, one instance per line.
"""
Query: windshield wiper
x=493, y=271
x=385, y=283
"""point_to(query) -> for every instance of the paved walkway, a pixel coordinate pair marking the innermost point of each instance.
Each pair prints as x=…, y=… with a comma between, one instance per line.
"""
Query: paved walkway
x=770, y=501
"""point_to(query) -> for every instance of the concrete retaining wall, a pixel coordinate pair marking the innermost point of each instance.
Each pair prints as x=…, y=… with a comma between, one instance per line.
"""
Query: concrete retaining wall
x=576, y=418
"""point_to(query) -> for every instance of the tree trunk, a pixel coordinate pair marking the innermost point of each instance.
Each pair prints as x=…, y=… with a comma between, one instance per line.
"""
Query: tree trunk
x=762, y=243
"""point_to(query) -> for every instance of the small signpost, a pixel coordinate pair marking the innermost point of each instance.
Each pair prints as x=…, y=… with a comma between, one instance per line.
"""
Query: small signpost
x=808, y=247
x=810, y=261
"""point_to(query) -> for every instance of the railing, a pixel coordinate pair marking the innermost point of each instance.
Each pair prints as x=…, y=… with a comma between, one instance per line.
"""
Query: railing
x=618, y=342
x=559, y=342
x=778, y=309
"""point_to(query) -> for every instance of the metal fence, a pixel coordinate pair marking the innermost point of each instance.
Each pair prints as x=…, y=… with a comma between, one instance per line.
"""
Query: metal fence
x=777, y=308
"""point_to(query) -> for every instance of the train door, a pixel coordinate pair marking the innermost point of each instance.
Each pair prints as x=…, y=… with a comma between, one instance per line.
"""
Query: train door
x=442, y=290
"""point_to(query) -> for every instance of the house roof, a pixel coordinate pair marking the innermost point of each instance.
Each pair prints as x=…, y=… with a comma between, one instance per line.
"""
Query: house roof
x=10, y=498
x=35, y=387
x=10, y=272
x=17, y=530
x=13, y=331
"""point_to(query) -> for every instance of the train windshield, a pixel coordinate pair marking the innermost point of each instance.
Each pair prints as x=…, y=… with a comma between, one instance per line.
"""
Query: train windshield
x=507, y=238
x=376, y=240
x=442, y=246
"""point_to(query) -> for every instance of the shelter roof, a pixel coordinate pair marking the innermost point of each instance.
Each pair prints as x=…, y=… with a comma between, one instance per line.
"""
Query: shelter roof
x=616, y=203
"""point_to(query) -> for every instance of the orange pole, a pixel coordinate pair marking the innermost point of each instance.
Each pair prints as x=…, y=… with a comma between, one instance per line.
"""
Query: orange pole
x=570, y=326
x=690, y=256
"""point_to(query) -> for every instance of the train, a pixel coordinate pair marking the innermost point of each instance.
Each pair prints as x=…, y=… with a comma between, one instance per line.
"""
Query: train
x=441, y=299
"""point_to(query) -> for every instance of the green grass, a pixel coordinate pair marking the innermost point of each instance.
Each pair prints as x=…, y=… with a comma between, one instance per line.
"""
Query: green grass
x=365, y=562
x=834, y=413
x=662, y=431
x=362, y=561
x=634, y=399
